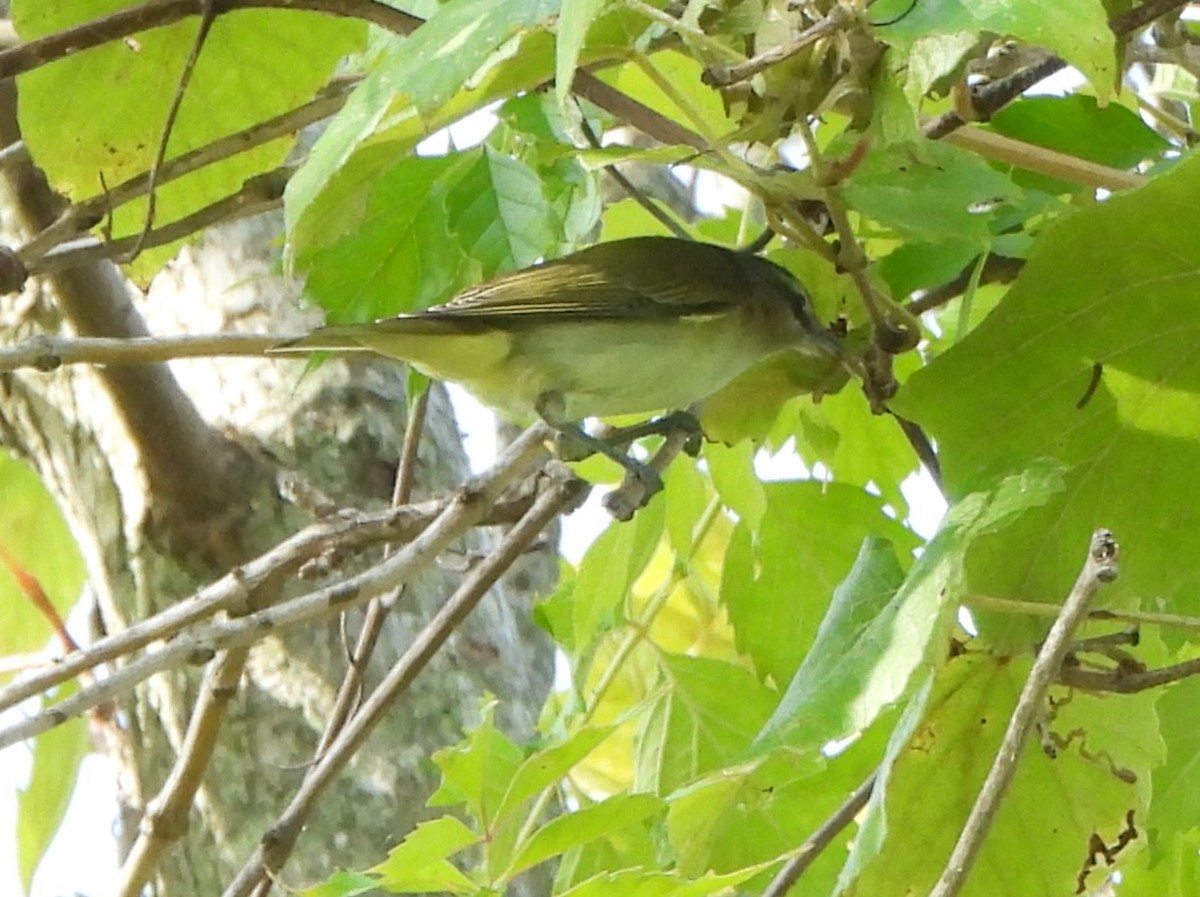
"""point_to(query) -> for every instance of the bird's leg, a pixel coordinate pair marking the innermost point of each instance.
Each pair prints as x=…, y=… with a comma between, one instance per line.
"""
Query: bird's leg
x=549, y=408
x=675, y=422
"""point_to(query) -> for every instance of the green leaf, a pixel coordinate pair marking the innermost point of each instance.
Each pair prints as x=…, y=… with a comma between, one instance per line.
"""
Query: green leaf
x=915, y=266
x=1176, y=782
x=688, y=496
x=828, y=697
x=755, y=813
x=704, y=720
x=639, y=883
x=872, y=644
x=581, y=826
x=1058, y=802
x=930, y=192
x=546, y=767
x=342, y=884
x=1094, y=365
x=732, y=470
x=239, y=80
x=422, y=85
x=1076, y=31
x=403, y=234
x=573, y=23
x=499, y=214
x=396, y=254
x=36, y=538
x=478, y=772
x=609, y=569
x=857, y=446
x=42, y=803
x=806, y=545
x=418, y=864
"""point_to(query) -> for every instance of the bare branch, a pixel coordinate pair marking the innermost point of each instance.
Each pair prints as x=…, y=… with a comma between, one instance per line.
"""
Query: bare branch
x=188, y=464
x=1127, y=682
x=259, y=194
x=279, y=842
x=998, y=148
x=1100, y=567
x=46, y=353
x=350, y=689
x=208, y=15
x=470, y=505
x=839, y=17
x=336, y=533
x=637, y=114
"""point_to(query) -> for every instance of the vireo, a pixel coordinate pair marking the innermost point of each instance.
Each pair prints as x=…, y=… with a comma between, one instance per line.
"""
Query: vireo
x=631, y=326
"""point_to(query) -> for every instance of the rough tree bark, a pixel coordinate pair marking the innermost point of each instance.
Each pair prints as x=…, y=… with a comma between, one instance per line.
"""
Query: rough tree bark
x=168, y=477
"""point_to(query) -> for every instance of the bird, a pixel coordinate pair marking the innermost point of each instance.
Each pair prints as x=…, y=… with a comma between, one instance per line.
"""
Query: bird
x=630, y=326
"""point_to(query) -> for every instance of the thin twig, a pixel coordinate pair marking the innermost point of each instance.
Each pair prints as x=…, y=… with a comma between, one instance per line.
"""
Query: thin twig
x=47, y=353
x=997, y=269
x=165, y=820
x=148, y=16
x=999, y=148
x=992, y=97
x=688, y=33
x=377, y=611
x=629, y=110
x=279, y=842
x=807, y=852
x=839, y=17
x=258, y=194
x=1038, y=609
x=633, y=192
x=924, y=449
x=166, y=816
x=1100, y=567
x=624, y=501
x=208, y=15
x=1127, y=682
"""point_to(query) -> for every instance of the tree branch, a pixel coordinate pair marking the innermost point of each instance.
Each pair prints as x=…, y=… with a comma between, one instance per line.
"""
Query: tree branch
x=46, y=353
x=1100, y=567
x=259, y=194
x=839, y=17
x=350, y=689
x=470, y=505
x=335, y=534
x=999, y=148
x=82, y=215
x=151, y=15
x=990, y=98
x=278, y=843
x=1127, y=682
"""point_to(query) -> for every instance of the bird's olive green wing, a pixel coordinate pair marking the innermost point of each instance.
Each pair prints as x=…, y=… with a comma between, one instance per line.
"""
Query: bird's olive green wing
x=638, y=278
